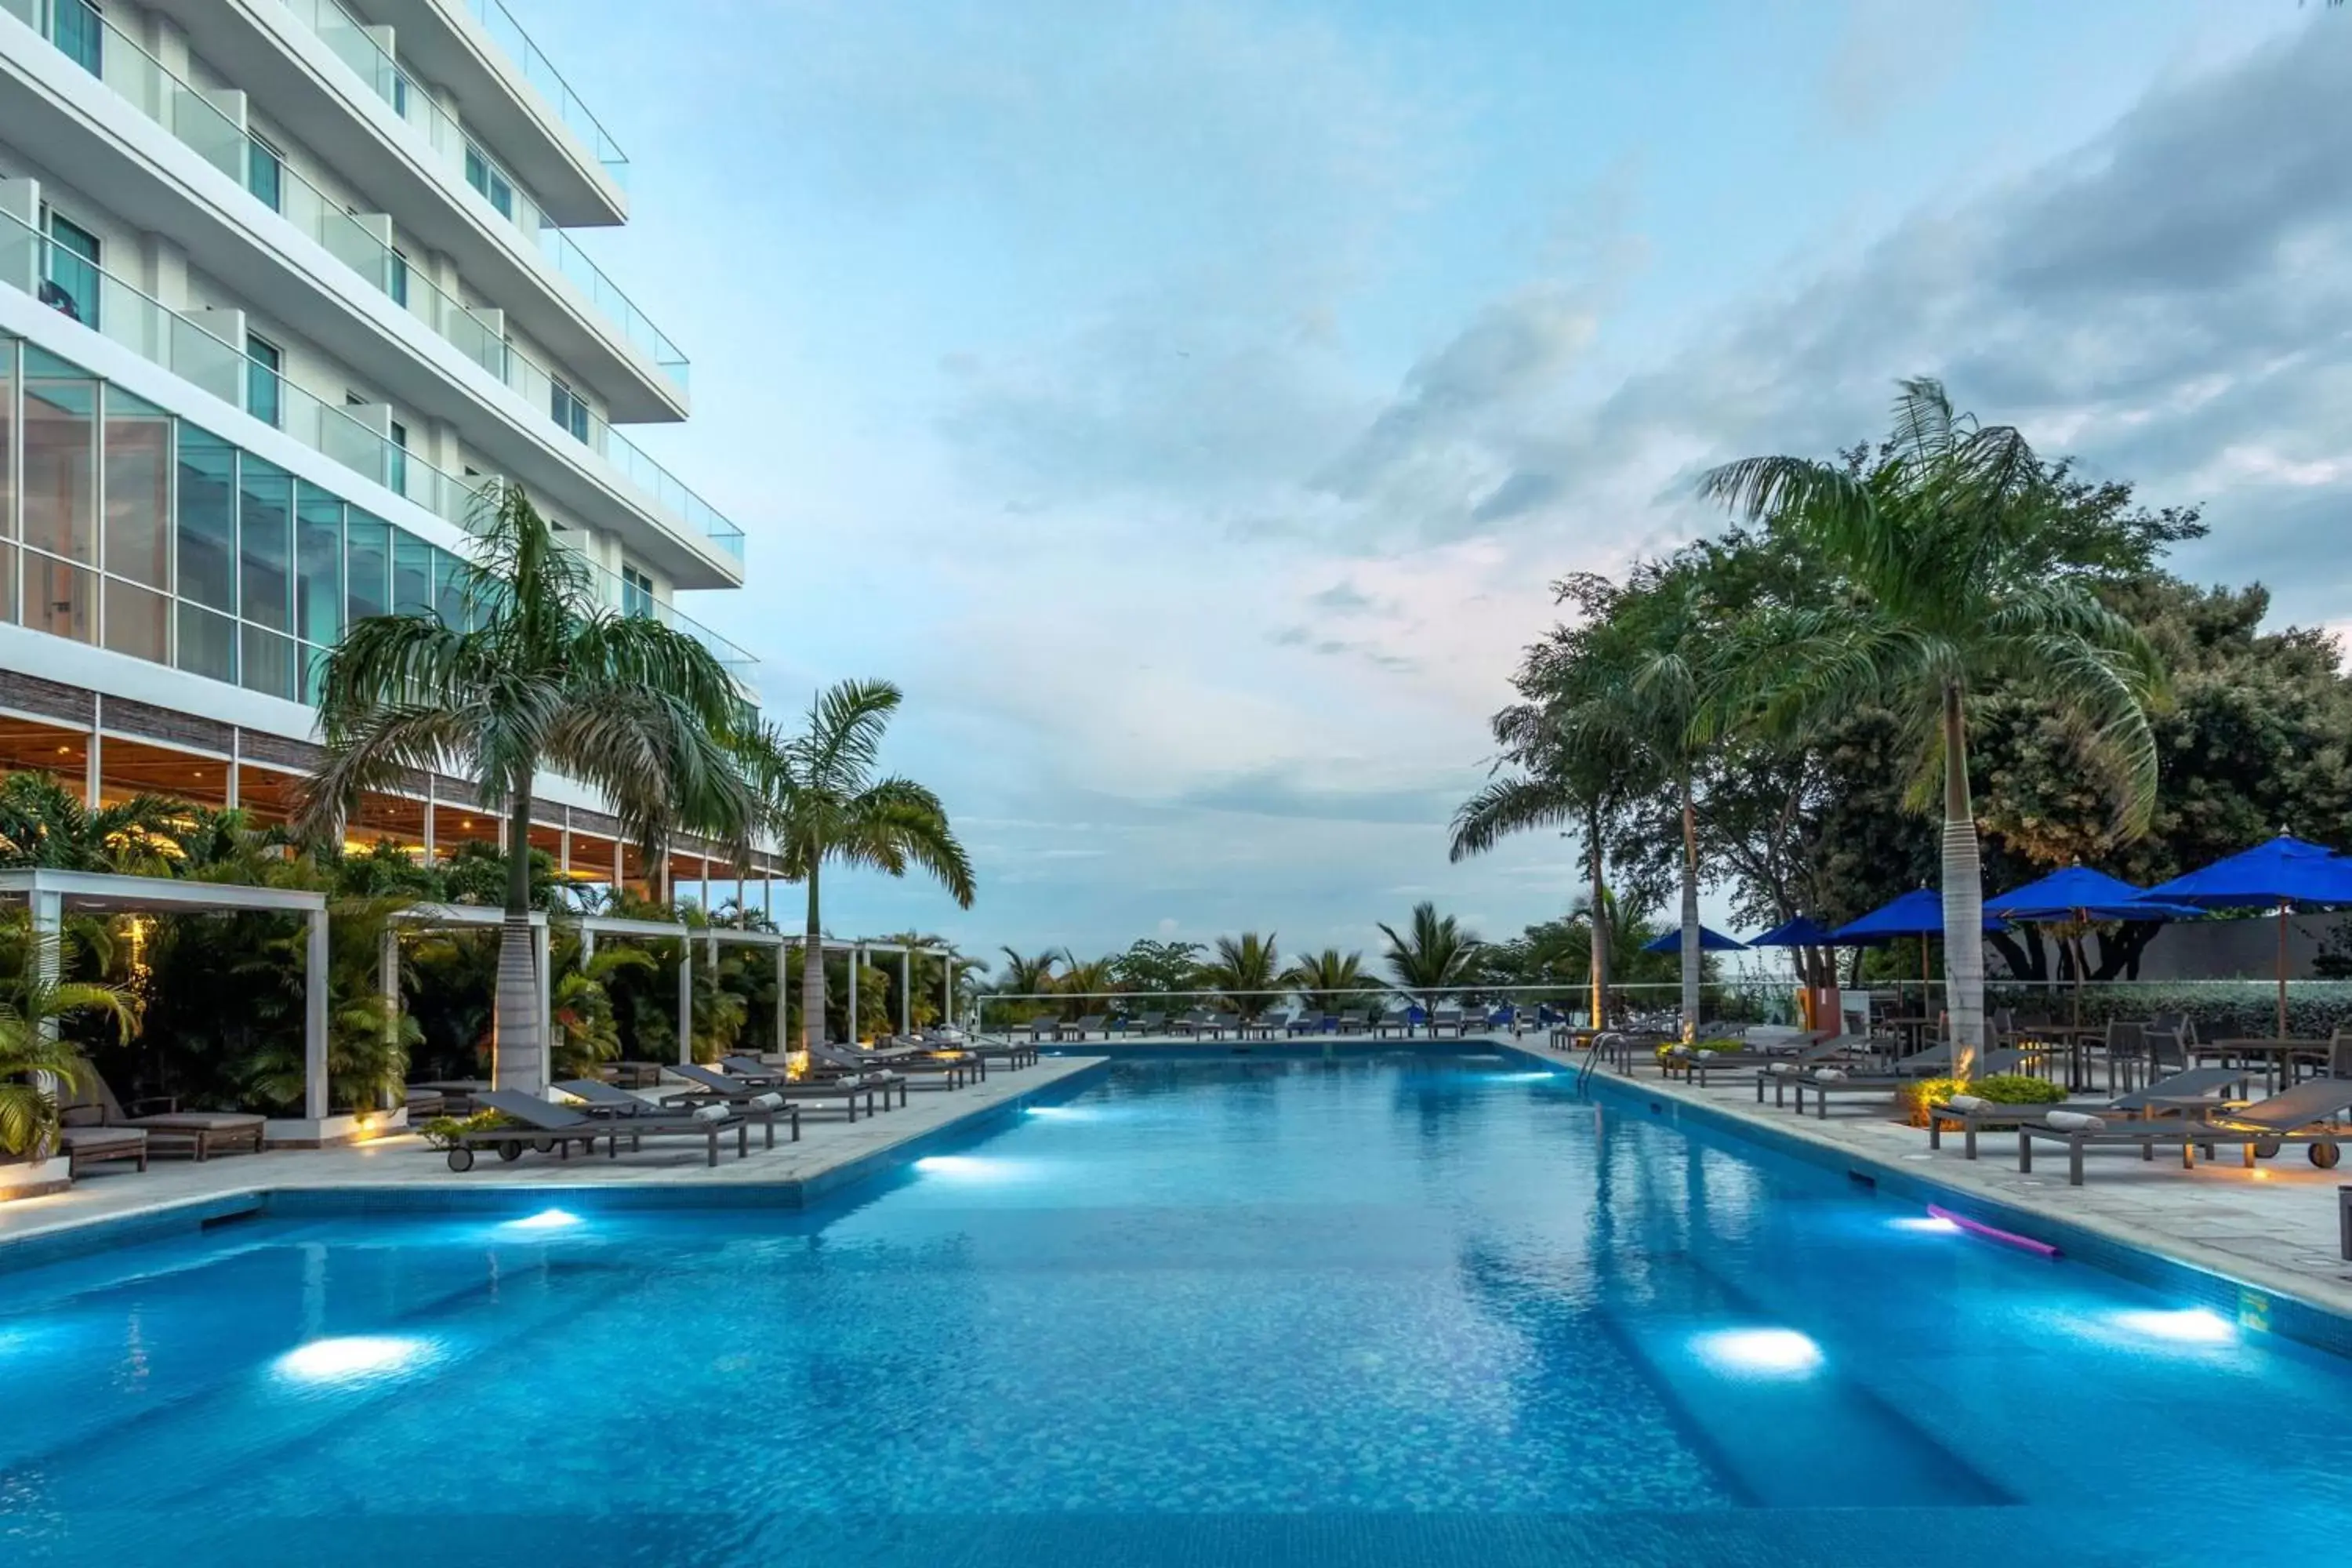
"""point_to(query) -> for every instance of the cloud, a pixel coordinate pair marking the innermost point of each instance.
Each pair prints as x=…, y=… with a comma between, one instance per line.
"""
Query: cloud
x=1891, y=53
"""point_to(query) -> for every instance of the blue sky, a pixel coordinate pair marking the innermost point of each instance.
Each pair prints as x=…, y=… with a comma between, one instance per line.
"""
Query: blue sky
x=1190, y=403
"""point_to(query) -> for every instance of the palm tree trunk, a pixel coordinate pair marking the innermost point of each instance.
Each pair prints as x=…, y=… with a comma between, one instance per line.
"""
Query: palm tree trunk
x=813, y=966
x=1963, y=896
x=517, y=1033
x=1690, y=953
x=1600, y=924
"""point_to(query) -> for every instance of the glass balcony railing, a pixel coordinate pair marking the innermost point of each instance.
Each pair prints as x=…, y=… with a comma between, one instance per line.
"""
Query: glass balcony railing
x=536, y=69
x=364, y=439
x=361, y=243
x=468, y=164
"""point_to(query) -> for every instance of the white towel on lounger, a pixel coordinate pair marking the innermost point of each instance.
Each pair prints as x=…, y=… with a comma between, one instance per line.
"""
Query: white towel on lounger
x=770, y=1101
x=1828, y=1075
x=712, y=1114
x=2075, y=1121
x=1968, y=1102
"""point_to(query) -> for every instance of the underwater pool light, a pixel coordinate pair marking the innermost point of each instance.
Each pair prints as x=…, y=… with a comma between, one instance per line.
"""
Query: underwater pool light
x=545, y=1219
x=1926, y=1225
x=1759, y=1353
x=351, y=1356
x=2190, y=1325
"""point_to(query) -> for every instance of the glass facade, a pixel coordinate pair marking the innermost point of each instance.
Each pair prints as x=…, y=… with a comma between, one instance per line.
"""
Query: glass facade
x=131, y=527
x=264, y=174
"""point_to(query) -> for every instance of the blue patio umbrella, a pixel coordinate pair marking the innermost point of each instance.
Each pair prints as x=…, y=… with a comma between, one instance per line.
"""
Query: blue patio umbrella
x=1802, y=932
x=1919, y=913
x=2285, y=872
x=1708, y=942
x=2080, y=895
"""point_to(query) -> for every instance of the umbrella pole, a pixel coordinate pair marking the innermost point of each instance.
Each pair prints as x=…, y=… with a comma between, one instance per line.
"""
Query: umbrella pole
x=2282, y=969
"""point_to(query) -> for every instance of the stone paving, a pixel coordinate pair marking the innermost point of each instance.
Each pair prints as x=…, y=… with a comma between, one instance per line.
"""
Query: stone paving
x=828, y=1142
x=2274, y=1225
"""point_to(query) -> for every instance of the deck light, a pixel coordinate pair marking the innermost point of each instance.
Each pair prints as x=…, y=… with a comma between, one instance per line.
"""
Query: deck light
x=1759, y=1353
x=350, y=1357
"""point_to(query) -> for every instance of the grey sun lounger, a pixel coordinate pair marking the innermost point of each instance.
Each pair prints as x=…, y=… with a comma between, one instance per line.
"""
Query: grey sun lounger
x=2311, y=1113
x=1823, y=1086
x=1011, y=1053
x=1777, y=1073
x=913, y=1070
x=546, y=1127
x=764, y=1075
x=602, y=1098
x=2184, y=1093
x=848, y=1091
x=101, y=1145
x=200, y=1133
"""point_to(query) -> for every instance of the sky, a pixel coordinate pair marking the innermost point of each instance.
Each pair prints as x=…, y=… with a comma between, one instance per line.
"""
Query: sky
x=1190, y=403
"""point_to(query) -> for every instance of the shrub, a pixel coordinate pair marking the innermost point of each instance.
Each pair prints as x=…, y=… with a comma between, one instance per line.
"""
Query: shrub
x=1701, y=1047
x=444, y=1130
x=2001, y=1088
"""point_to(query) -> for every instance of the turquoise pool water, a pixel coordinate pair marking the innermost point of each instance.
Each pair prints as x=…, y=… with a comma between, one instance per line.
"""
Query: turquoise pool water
x=1396, y=1309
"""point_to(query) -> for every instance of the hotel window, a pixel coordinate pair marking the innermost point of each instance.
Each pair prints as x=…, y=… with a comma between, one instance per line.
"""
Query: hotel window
x=76, y=29
x=265, y=172
x=396, y=283
x=60, y=492
x=395, y=477
x=136, y=467
x=264, y=384
x=486, y=177
x=69, y=272
x=637, y=592
x=569, y=411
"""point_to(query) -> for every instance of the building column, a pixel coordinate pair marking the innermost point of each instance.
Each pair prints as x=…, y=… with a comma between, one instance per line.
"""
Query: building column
x=684, y=997
x=314, y=1021
x=429, y=781
x=947, y=989
x=236, y=767
x=92, y=786
x=563, y=847
x=620, y=864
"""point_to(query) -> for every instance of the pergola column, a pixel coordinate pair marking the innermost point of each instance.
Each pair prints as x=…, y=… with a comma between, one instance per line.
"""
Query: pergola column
x=906, y=992
x=48, y=945
x=783, y=1000
x=540, y=959
x=856, y=962
x=387, y=979
x=685, y=998
x=314, y=1020
x=92, y=788
x=947, y=991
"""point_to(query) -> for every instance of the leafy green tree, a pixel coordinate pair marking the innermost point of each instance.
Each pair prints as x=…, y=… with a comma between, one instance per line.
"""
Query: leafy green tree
x=1433, y=958
x=36, y=1063
x=587, y=1031
x=1244, y=968
x=822, y=802
x=1326, y=979
x=1030, y=979
x=1088, y=982
x=1960, y=582
x=539, y=677
x=42, y=823
x=1159, y=967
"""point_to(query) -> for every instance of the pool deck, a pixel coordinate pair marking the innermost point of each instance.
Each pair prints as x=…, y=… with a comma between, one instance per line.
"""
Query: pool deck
x=832, y=1151
x=2274, y=1227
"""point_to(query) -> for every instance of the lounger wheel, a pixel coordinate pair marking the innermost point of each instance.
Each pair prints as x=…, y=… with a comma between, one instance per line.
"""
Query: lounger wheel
x=542, y=1145
x=2267, y=1148
x=509, y=1152
x=461, y=1160
x=2325, y=1155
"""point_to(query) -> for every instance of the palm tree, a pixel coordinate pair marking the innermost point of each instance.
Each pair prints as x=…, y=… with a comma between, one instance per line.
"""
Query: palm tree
x=1956, y=583
x=821, y=801
x=1087, y=981
x=44, y=824
x=35, y=1065
x=541, y=677
x=587, y=1031
x=1029, y=978
x=1433, y=958
x=1326, y=978
x=1245, y=968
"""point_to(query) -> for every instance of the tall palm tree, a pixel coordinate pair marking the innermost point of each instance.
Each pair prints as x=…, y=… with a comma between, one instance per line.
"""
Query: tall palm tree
x=1955, y=582
x=1031, y=979
x=541, y=677
x=1244, y=968
x=1087, y=981
x=1433, y=957
x=1325, y=979
x=44, y=824
x=821, y=801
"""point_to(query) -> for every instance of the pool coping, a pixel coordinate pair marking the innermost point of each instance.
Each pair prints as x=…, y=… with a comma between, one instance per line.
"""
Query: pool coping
x=2256, y=1299
x=80, y=1235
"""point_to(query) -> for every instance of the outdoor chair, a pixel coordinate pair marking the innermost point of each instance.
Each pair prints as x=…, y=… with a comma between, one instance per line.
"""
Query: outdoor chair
x=1827, y=1083
x=2183, y=1093
x=845, y=1090
x=946, y=1073
x=201, y=1133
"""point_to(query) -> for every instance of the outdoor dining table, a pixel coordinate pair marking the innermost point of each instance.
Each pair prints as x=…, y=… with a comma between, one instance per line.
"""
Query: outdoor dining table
x=2077, y=1040
x=2277, y=1055
x=1913, y=1029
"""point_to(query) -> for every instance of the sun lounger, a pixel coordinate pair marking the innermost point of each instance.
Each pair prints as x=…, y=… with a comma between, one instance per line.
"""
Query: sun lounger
x=537, y=1124
x=601, y=1098
x=201, y=1133
x=1043, y=1029
x=1147, y=1024
x=1310, y=1023
x=2182, y=1093
x=2312, y=1113
x=1092, y=1024
x=1444, y=1019
x=951, y=1074
x=1826, y=1083
x=1378, y=1025
x=101, y=1145
x=1778, y=1071
x=1011, y=1053
x=844, y=1089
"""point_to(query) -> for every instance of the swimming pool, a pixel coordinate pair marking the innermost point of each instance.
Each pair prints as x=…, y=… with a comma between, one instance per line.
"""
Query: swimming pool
x=1413, y=1308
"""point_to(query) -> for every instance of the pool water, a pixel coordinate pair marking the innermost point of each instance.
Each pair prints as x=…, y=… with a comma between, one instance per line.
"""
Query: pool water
x=1410, y=1309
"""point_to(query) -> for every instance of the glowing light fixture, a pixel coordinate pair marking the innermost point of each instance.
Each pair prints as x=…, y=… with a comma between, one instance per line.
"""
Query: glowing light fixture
x=545, y=1219
x=2191, y=1325
x=1926, y=1225
x=1759, y=1353
x=950, y=1165
x=352, y=1357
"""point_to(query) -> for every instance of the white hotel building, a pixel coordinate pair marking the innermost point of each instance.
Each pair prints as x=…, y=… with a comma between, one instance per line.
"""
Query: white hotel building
x=281, y=281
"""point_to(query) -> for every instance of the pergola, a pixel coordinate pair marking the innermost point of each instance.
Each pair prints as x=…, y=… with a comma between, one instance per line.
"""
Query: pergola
x=472, y=917
x=857, y=950
x=684, y=935
x=51, y=893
